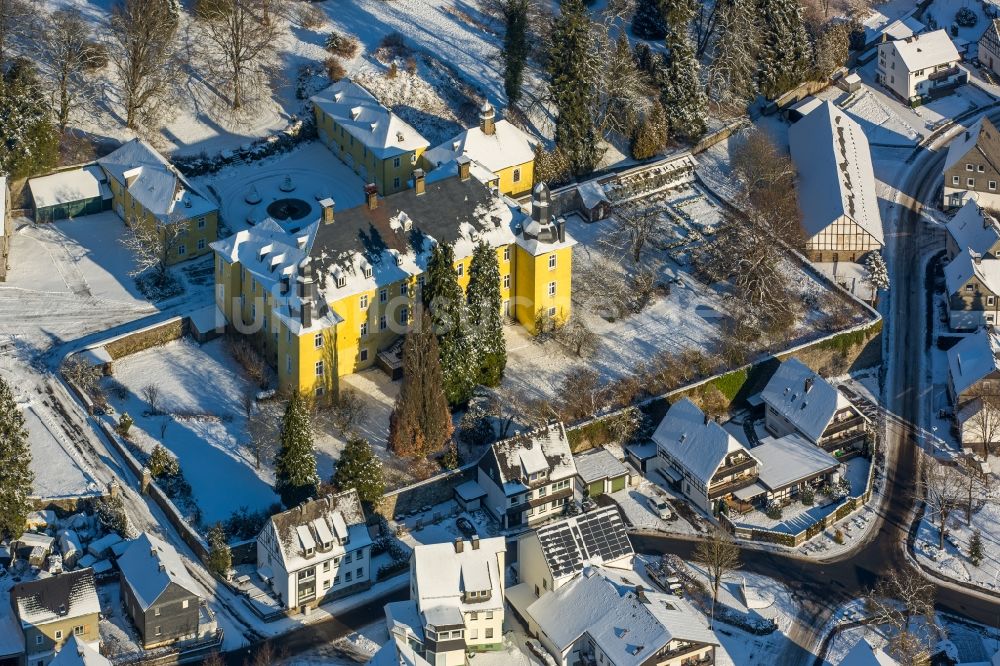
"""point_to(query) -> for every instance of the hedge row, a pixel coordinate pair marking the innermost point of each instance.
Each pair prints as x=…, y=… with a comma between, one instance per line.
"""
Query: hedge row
x=146, y=339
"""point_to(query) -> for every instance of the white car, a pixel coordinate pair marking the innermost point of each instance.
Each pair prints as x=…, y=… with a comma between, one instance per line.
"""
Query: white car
x=660, y=508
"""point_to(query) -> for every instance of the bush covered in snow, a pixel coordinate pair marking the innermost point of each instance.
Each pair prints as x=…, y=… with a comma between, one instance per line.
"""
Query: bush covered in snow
x=156, y=286
x=344, y=46
x=966, y=18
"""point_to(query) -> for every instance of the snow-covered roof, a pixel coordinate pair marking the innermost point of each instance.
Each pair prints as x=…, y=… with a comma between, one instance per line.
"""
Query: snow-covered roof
x=927, y=50
x=403, y=619
x=806, y=105
x=599, y=464
x=790, y=459
x=974, y=229
x=508, y=146
x=972, y=359
x=397, y=652
x=591, y=194
x=70, y=594
x=363, y=117
x=154, y=182
x=863, y=654
x=903, y=28
x=981, y=136
x=76, y=652
x=629, y=629
x=11, y=636
x=696, y=442
x=968, y=264
x=311, y=525
x=834, y=165
x=574, y=543
x=470, y=490
x=805, y=399
x=542, y=450
x=443, y=576
x=149, y=566
x=68, y=186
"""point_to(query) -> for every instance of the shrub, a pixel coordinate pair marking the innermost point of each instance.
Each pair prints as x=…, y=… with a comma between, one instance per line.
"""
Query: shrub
x=334, y=69
x=220, y=558
x=124, y=424
x=310, y=16
x=393, y=71
x=966, y=18
x=807, y=497
x=112, y=517
x=246, y=524
x=96, y=56
x=343, y=46
x=162, y=463
x=773, y=511
x=394, y=42
x=838, y=536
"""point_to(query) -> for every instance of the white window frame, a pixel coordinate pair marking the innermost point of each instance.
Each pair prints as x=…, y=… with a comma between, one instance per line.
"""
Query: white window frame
x=552, y=288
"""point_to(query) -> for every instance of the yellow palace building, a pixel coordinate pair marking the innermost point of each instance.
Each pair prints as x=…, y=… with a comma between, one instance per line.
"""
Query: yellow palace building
x=336, y=296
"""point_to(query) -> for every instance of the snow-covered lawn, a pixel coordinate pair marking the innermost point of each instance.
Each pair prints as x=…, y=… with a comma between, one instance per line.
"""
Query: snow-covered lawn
x=200, y=389
x=881, y=123
x=942, y=13
x=59, y=470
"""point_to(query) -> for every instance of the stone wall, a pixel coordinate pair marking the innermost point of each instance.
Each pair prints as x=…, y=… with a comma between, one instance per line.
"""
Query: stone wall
x=433, y=491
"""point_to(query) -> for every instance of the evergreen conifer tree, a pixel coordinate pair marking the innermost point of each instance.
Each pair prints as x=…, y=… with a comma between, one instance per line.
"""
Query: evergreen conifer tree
x=515, y=47
x=647, y=22
x=296, y=479
x=16, y=477
x=359, y=468
x=443, y=296
x=29, y=142
x=976, y=549
x=420, y=421
x=484, y=307
x=681, y=93
x=732, y=73
x=785, y=53
x=650, y=134
x=571, y=71
x=220, y=557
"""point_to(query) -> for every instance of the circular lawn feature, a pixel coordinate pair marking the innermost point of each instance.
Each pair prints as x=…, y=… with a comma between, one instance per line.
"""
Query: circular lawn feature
x=288, y=209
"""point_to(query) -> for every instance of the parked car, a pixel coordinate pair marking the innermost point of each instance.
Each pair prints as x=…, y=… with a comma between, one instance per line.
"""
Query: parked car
x=465, y=526
x=660, y=507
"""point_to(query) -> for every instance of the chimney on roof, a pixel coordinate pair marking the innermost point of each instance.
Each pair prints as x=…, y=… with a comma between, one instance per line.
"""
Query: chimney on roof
x=327, y=206
x=966, y=135
x=561, y=229
x=459, y=546
x=640, y=593
x=809, y=383
x=464, y=164
x=978, y=258
x=371, y=196
x=487, y=119
x=418, y=182
x=160, y=566
x=475, y=542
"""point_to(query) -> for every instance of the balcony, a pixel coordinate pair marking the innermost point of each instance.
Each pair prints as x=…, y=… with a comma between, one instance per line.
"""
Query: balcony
x=716, y=491
x=855, y=421
x=943, y=74
x=855, y=439
x=736, y=468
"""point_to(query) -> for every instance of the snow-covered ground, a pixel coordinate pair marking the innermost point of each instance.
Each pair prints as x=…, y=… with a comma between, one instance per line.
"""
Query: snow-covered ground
x=364, y=641
x=200, y=388
x=634, y=503
x=941, y=13
x=59, y=470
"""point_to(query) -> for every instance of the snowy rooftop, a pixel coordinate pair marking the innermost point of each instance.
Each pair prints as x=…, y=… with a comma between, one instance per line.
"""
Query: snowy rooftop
x=599, y=464
x=981, y=136
x=808, y=401
x=68, y=186
x=68, y=595
x=363, y=117
x=403, y=618
x=863, y=654
x=545, y=450
x=508, y=146
x=154, y=182
x=968, y=264
x=790, y=459
x=149, y=566
x=443, y=576
x=324, y=528
x=696, y=442
x=629, y=629
x=834, y=164
x=397, y=652
x=974, y=229
x=927, y=50
x=591, y=194
x=78, y=653
x=571, y=544
x=972, y=359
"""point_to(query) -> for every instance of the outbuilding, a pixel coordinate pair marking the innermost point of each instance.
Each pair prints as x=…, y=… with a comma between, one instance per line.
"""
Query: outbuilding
x=69, y=194
x=599, y=472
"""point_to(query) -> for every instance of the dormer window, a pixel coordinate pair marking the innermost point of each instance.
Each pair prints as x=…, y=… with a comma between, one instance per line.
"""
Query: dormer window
x=341, y=281
x=367, y=271
x=310, y=551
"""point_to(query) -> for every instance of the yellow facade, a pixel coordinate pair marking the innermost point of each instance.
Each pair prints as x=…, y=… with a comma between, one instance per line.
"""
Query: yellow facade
x=544, y=286
x=390, y=175
x=516, y=180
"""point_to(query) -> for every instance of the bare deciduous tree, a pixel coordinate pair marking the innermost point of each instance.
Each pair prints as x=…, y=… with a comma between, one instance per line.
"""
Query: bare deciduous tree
x=720, y=555
x=152, y=244
x=984, y=424
x=943, y=490
x=636, y=224
x=143, y=48
x=897, y=601
x=82, y=374
x=62, y=46
x=151, y=392
x=240, y=38
x=973, y=485
x=14, y=16
x=577, y=336
x=263, y=427
x=581, y=394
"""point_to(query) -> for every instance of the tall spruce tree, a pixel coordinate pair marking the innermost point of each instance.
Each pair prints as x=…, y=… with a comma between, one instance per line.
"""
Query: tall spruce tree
x=16, y=477
x=785, y=53
x=647, y=22
x=732, y=73
x=484, y=308
x=681, y=93
x=650, y=135
x=29, y=142
x=420, y=421
x=359, y=468
x=296, y=479
x=515, y=47
x=571, y=70
x=443, y=296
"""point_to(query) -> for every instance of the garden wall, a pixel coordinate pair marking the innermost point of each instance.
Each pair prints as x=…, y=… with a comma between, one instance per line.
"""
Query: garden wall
x=145, y=338
x=429, y=492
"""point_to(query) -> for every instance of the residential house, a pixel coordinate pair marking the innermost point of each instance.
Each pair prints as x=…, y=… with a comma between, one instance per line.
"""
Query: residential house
x=974, y=388
x=456, y=600
x=788, y=465
x=840, y=214
x=397, y=651
x=334, y=297
x=698, y=457
x=973, y=252
x=158, y=593
x=53, y=609
x=799, y=401
x=376, y=143
x=973, y=228
x=529, y=478
x=989, y=47
x=501, y=148
x=972, y=167
x=78, y=653
x=317, y=551
x=6, y=228
x=865, y=654
x=599, y=472
x=920, y=67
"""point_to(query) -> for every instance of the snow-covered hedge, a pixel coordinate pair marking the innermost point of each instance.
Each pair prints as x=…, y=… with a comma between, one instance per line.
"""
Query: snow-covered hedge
x=280, y=142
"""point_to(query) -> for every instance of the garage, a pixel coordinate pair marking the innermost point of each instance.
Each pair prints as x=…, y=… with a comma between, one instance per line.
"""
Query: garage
x=69, y=194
